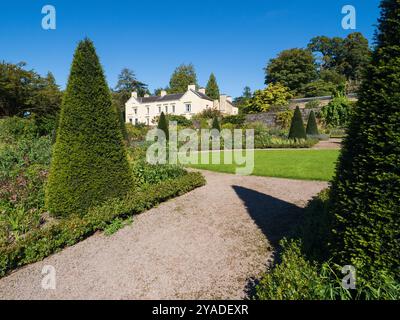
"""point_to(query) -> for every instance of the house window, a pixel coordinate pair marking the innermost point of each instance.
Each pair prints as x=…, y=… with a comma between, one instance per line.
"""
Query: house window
x=159, y=109
x=135, y=110
x=166, y=109
x=188, y=107
x=136, y=121
x=130, y=120
x=148, y=121
x=148, y=110
x=173, y=109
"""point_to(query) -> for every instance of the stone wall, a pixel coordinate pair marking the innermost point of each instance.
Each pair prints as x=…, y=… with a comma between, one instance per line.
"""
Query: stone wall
x=269, y=118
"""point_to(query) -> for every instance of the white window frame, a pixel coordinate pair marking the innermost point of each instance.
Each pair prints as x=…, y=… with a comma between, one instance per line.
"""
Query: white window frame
x=188, y=107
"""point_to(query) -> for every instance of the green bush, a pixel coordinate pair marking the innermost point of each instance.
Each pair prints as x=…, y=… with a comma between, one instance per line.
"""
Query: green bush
x=89, y=163
x=297, y=130
x=284, y=118
x=337, y=113
x=15, y=128
x=237, y=120
x=181, y=121
x=365, y=193
x=313, y=104
x=145, y=173
x=296, y=278
x=40, y=243
x=312, y=128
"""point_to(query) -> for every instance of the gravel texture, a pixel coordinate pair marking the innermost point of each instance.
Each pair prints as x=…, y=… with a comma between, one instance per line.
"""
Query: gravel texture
x=207, y=244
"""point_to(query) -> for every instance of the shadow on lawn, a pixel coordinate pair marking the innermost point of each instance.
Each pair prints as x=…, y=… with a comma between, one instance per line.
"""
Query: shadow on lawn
x=276, y=218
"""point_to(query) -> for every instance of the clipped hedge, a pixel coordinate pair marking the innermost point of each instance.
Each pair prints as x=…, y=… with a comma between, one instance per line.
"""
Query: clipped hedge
x=41, y=243
x=297, y=130
x=312, y=128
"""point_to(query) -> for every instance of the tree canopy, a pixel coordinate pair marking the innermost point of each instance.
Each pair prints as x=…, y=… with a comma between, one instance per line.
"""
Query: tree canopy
x=183, y=76
x=292, y=68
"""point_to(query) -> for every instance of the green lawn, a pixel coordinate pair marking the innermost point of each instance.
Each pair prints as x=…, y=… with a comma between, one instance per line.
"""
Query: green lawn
x=295, y=164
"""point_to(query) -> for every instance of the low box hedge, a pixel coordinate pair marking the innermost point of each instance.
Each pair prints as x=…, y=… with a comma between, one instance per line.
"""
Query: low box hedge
x=41, y=243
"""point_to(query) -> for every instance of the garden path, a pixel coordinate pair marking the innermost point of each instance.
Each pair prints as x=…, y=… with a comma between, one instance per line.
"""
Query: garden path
x=206, y=244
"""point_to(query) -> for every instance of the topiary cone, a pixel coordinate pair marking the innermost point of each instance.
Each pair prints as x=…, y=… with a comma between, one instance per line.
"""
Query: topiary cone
x=297, y=130
x=89, y=163
x=312, y=128
x=163, y=125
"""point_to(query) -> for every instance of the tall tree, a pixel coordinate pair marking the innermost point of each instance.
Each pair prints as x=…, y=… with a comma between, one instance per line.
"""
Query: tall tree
x=293, y=68
x=183, y=76
x=127, y=82
x=365, y=193
x=212, y=89
x=89, y=163
x=346, y=56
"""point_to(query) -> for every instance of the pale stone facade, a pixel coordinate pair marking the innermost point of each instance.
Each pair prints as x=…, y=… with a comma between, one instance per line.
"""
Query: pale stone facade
x=145, y=109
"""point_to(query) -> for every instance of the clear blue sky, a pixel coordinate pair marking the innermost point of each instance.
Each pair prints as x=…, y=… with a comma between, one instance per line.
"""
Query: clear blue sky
x=234, y=39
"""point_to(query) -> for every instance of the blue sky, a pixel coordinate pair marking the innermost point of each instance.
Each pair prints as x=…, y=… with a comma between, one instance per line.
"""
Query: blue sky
x=233, y=39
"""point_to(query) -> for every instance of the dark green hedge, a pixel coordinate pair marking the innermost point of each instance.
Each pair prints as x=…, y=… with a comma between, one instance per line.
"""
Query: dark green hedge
x=365, y=194
x=89, y=163
x=312, y=128
x=297, y=130
x=41, y=243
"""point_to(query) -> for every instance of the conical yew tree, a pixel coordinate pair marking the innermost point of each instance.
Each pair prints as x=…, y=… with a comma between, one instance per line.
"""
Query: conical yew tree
x=163, y=125
x=297, y=130
x=365, y=195
x=89, y=163
x=215, y=124
x=312, y=127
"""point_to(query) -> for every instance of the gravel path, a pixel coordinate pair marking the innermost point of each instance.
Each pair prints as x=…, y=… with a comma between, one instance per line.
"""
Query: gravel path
x=329, y=144
x=206, y=244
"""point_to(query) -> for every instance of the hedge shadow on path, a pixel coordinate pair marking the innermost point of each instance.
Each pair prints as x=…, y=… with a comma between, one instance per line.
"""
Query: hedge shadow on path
x=276, y=218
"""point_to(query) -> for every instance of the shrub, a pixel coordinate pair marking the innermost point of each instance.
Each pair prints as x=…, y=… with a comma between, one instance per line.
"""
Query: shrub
x=337, y=112
x=15, y=128
x=296, y=278
x=313, y=104
x=163, y=125
x=297, y=130
x=237, y=120
x=89, y=163
x=365, y=193
x=312, y=128
x=284, y=118
x=180, y=120
x=40, y=243
x=145, y=173
x=215, y=124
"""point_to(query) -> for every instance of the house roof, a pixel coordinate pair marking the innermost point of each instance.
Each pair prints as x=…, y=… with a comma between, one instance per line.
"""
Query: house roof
x=170, y=97
x=202, y=95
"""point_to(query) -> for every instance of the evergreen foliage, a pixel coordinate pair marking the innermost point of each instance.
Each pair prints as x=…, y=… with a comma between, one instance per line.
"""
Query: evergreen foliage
x=89, y=163
x=212, y=89
x=215, y=124
x=312, y=128
x=365, y=196
x=297, y=130
x=163, y=125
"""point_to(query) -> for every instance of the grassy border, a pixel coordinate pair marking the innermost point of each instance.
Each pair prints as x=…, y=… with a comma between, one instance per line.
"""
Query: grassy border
x=41, y=243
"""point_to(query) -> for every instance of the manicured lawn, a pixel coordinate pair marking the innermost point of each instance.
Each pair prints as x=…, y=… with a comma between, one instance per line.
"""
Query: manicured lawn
x=294, y=164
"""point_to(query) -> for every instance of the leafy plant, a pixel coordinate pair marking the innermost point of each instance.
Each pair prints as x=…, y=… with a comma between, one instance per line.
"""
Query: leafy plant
x=297, y=130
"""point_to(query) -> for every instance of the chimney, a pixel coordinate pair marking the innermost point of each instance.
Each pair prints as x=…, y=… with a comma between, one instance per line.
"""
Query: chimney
x=202, y=90
x=192, y=87
x=134, y=94
x=222, y=102
x=163, y=93
x=229, y=98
